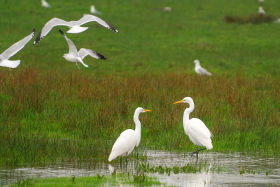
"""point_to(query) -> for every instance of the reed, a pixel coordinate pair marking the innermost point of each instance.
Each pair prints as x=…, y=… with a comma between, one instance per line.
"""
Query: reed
x=56, y=116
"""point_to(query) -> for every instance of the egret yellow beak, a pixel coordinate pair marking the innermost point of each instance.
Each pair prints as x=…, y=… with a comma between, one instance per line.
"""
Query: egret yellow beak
x=147, y=110
x=178, y=102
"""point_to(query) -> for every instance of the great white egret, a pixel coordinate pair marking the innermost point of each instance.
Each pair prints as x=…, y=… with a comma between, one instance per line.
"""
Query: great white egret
x=74, y=56
x=129, y=138
x=75, y=26
x=200, y=70
x=198, y=133
x=14, y=49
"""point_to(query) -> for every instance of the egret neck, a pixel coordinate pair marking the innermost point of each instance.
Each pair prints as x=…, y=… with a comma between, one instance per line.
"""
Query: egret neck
x=186, y=116
x=137, y=126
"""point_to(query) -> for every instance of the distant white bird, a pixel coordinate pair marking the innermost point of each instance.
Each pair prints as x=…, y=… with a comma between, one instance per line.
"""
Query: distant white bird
x=167, y=9
x=75, y=26
x=93, y=10
x=200, y=70
x=198, y=133
x=74, y=56
x=261, y=1
x=11, y=51
x=261, y=11
x=129, y=138
x=45, y=4
x=278, y=20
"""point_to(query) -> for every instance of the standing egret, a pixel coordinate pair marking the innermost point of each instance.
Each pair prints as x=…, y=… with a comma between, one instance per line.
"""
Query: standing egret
x=129, y=138
x=198, y=133
x=200, y=70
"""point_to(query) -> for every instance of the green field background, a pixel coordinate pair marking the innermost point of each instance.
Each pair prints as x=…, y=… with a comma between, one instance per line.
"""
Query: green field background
x=51, y=111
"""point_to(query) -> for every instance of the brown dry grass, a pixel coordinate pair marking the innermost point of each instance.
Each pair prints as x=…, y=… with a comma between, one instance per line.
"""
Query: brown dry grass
x=75, y=113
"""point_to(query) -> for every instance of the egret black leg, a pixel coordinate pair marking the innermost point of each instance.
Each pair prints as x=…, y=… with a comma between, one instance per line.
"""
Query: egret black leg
x=196, y=152
x=121, y=162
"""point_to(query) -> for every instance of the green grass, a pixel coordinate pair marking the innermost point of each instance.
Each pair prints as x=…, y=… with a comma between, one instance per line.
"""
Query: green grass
x=51, y=111
x=114, y=180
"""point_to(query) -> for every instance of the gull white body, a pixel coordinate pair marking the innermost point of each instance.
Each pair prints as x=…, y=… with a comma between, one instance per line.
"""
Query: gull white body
x=128, y=139
x=200, y=70
x=45, y=4
x=167, y=9
x=93, y=10
x=76, y=29
x=74, y=56
x=74, y=26
x=197, y=131
x=261, y=11
x=14, y=49
x=277, y=21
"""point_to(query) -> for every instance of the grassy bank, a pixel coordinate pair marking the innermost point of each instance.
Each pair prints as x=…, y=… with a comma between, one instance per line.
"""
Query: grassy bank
x=53, y=117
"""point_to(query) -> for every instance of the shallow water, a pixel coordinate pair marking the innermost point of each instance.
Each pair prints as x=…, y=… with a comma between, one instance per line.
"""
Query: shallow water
x=217, y=169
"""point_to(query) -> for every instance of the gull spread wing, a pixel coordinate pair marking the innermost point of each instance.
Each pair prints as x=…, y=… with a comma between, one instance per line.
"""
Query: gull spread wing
x=89, y=18
x=48, y=27
x=84, y=52
x=72, y=47
x=11, y=51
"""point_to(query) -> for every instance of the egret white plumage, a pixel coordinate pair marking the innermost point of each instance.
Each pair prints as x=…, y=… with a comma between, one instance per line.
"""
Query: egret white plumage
x=261, y=11
x=74, y=56
x=11, y=51
x=200, y=70
x=129, y=138
x=45, y=4
x=75, y=26
x=197, y=131
x=93, y=10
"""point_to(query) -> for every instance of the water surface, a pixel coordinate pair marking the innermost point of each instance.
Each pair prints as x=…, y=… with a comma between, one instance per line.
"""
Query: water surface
x=216, y=169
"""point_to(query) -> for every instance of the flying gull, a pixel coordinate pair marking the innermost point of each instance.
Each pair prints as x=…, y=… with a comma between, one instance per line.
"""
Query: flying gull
x=200, y=70
x=11, y=51
x=45, y=4
x=93, y=10
x=75, y=26
x=75, y=56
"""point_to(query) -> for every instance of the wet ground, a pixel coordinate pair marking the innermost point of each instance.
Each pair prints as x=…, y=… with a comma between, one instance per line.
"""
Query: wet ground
x=211, y=169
